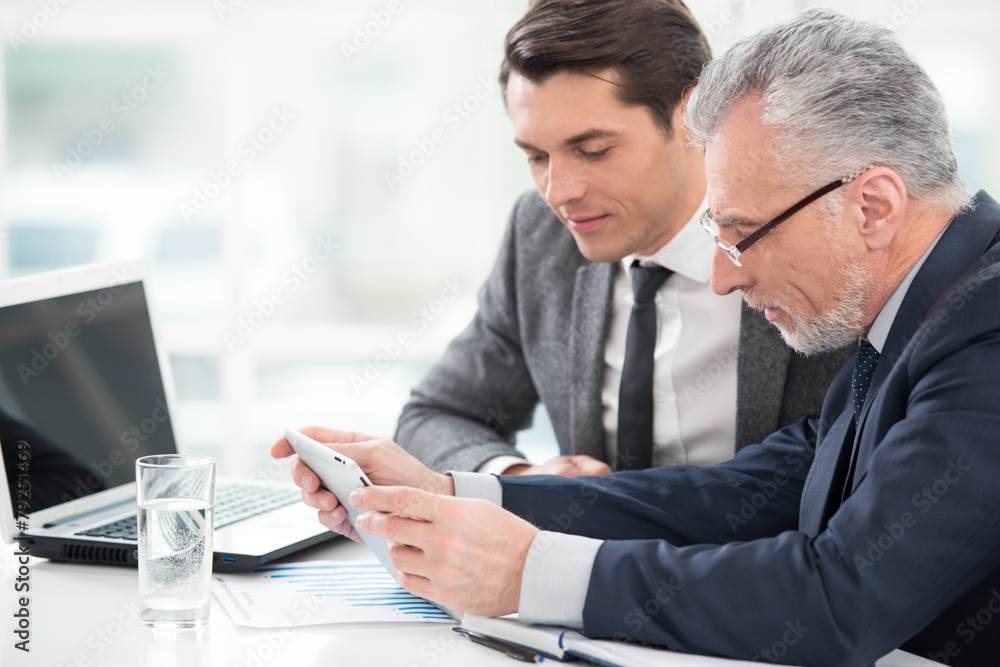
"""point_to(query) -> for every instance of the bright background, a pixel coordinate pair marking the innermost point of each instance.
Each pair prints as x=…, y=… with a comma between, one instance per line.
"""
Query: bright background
x=369, y=126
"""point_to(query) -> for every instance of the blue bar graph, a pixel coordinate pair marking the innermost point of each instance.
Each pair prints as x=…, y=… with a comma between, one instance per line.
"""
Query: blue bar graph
x=355, y=584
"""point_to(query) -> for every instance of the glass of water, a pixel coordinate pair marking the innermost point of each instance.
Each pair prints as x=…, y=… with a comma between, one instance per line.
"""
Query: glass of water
x=176, y=498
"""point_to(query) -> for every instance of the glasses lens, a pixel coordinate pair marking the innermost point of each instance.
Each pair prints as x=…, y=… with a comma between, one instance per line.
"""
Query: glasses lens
x=708, y=223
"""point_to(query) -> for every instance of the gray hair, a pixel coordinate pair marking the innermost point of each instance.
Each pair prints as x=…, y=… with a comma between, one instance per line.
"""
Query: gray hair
x=841, y=94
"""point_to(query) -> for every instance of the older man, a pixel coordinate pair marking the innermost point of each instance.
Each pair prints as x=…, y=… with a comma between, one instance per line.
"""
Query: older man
x=836, y=205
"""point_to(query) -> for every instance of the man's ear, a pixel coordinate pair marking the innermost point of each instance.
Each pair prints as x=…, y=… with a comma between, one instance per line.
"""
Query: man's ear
x=677, y=120
x=880, y=193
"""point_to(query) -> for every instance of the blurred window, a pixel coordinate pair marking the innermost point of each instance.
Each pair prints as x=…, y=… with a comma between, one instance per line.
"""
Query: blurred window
x=319, y=186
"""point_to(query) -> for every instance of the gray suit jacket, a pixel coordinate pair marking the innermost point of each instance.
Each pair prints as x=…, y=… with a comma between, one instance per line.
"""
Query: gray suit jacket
x=539, y=335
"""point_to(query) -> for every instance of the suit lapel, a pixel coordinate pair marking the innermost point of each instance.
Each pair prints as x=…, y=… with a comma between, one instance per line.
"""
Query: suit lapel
x=827, y=475
x=761, y=370
x=593, y=294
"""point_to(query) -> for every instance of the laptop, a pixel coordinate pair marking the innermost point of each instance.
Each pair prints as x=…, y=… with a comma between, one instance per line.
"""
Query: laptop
x=84, y=392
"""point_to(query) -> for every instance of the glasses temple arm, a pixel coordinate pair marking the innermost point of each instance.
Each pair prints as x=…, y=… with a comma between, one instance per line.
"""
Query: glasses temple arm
x=750, y=240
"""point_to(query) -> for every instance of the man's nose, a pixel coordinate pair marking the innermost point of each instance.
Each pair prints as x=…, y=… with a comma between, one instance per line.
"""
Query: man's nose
x=564, y=183
x=726, y=276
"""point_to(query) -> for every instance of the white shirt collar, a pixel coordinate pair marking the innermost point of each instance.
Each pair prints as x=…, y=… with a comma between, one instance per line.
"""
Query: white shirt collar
x=688, y=253
x=879, y=332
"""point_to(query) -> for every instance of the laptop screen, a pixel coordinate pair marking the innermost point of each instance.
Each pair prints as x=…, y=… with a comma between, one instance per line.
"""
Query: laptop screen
x=80, y=386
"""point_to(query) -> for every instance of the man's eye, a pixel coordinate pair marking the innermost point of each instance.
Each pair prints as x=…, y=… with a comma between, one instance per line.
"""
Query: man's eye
x=533, y=159
x=594, y=155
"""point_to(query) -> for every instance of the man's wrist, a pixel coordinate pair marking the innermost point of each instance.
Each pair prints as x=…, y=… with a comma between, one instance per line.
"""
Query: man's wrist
x=444, y=485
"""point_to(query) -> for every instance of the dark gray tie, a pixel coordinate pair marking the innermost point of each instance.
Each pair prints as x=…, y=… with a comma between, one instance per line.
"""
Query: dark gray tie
x=635, y=397
x=861, y=380
x=864, y=369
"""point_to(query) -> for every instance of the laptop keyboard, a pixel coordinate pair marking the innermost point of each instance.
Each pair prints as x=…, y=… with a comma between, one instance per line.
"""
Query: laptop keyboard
x=233, y=502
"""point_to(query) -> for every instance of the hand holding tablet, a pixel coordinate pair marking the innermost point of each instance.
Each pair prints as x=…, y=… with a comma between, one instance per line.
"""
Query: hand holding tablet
x=339, y=475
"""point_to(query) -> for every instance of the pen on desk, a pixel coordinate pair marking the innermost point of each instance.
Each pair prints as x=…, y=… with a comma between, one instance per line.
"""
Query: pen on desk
x=512, y=650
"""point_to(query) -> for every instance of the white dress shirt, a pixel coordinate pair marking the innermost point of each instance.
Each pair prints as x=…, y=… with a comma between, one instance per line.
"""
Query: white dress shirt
x=694, y=372
x=558, y=566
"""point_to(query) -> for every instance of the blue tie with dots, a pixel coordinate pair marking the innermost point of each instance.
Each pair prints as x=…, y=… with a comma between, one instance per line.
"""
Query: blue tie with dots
x=864, y=369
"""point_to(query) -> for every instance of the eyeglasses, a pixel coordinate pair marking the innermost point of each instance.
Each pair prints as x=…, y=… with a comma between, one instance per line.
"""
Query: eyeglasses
x=733, y=252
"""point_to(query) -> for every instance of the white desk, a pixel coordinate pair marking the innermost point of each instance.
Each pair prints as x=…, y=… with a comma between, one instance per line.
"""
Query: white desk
x=83, y=615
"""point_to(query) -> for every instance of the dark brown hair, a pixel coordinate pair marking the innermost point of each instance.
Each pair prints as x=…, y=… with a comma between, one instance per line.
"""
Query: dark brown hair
x=655, y=46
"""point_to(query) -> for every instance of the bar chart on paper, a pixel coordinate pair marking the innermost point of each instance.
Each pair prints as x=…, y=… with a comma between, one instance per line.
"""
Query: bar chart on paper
x=316, y=592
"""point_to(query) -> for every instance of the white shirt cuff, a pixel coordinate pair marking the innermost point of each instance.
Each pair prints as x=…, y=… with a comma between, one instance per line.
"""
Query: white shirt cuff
x=475, y=485
x=498, y=464
x=556, y=578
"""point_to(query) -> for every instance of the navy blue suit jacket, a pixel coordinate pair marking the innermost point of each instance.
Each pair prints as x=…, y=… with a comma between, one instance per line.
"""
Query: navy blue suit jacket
x=774, y=555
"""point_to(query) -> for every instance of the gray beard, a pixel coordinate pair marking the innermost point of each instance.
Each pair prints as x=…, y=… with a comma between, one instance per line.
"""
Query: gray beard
x=841, y=326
